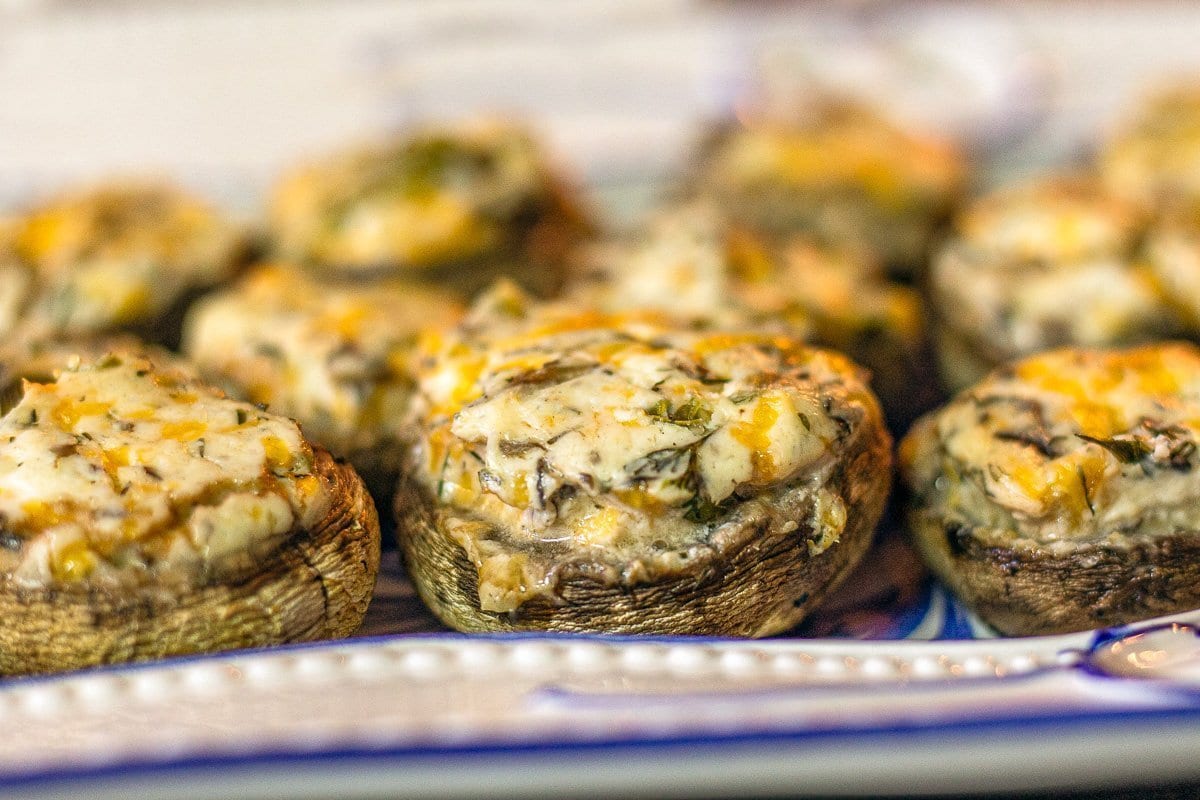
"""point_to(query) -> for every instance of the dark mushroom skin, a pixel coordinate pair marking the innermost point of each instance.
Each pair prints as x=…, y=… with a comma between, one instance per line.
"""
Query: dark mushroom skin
x=1058, y=494
x=675, y=525
x=169, y=532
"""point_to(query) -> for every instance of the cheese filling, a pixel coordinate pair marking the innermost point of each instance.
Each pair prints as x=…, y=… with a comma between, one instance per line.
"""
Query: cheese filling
x=119, y=469
x=844, y=152
x=1049, y=263
x=435, y=197
x=619, y=433
x=336, y=357
x=696, y=264
x=1155, y=159
x=1072, y=445
x=120, y=255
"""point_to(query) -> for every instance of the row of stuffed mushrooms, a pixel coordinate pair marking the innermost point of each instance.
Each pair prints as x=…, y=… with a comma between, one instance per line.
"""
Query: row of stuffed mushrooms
x=671, y=445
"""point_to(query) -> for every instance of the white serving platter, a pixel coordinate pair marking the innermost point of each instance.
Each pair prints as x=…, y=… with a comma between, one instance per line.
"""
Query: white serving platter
x=448, y=715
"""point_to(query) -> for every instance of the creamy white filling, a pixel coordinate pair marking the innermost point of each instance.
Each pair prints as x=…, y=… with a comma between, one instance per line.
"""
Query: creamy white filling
x=335, y=357
x=624, y=433
x=116, y=462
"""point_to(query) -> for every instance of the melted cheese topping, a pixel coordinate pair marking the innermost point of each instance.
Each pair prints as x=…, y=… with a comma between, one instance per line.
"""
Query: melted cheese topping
x=337, y=357
x=16, y=288
x=1155, y=158
x=435, y=197
x=623, y=432
x=120, y=255
x=843, y=149
x=694, y=263
x=1057, y=220
x=1173, y=253
x=1069, y=445
x=120, y=469
x=1049, y=263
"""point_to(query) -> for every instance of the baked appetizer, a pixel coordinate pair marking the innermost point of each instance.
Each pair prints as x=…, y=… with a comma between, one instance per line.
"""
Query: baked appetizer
x=335, y=356
x=16, y=280
x=693, y=262
x=1060, y=493
x=1050, y=262
x=123, y=256
x=40, y=360
x=1172, y=251
x=841, y=174
x=579, y=471
x=1154, y=158
x=458, y=206
x=147, y=515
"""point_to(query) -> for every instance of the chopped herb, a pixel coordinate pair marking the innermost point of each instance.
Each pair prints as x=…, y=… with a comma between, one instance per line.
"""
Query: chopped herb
x=1037, y=439
x=241, y=416
x=1087, y=494
x=700, y=509
x=692, y=414
x=269, y=350
x=64, y=450
x=553, y=372
x=514, y=447
x=660, y=411
x=653, y=465
x=558, y=436
x=1127, y=451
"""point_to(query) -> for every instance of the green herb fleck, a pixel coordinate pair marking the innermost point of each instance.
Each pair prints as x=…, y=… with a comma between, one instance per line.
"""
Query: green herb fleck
x=1127, y=451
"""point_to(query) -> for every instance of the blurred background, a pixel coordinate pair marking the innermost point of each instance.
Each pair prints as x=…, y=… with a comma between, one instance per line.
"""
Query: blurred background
x=223, y=94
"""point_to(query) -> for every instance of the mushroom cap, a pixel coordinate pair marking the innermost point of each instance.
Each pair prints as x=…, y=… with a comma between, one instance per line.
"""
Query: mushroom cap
x=315, y=585
x=756, y=577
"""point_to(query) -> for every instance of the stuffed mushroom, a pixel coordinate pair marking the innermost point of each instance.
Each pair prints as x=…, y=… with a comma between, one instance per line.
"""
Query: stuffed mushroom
x=120, y=256
x=692, y=261
x=1154, y=158
x=1060, y=493
x=145, y=515
x=841, y=174
x=580, y=471
x=335, y=356
x=456, y=205
x=1051, y=262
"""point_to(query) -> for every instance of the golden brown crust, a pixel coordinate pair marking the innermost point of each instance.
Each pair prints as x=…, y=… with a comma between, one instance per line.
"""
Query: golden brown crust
x=316, y=586
x=755, y=577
